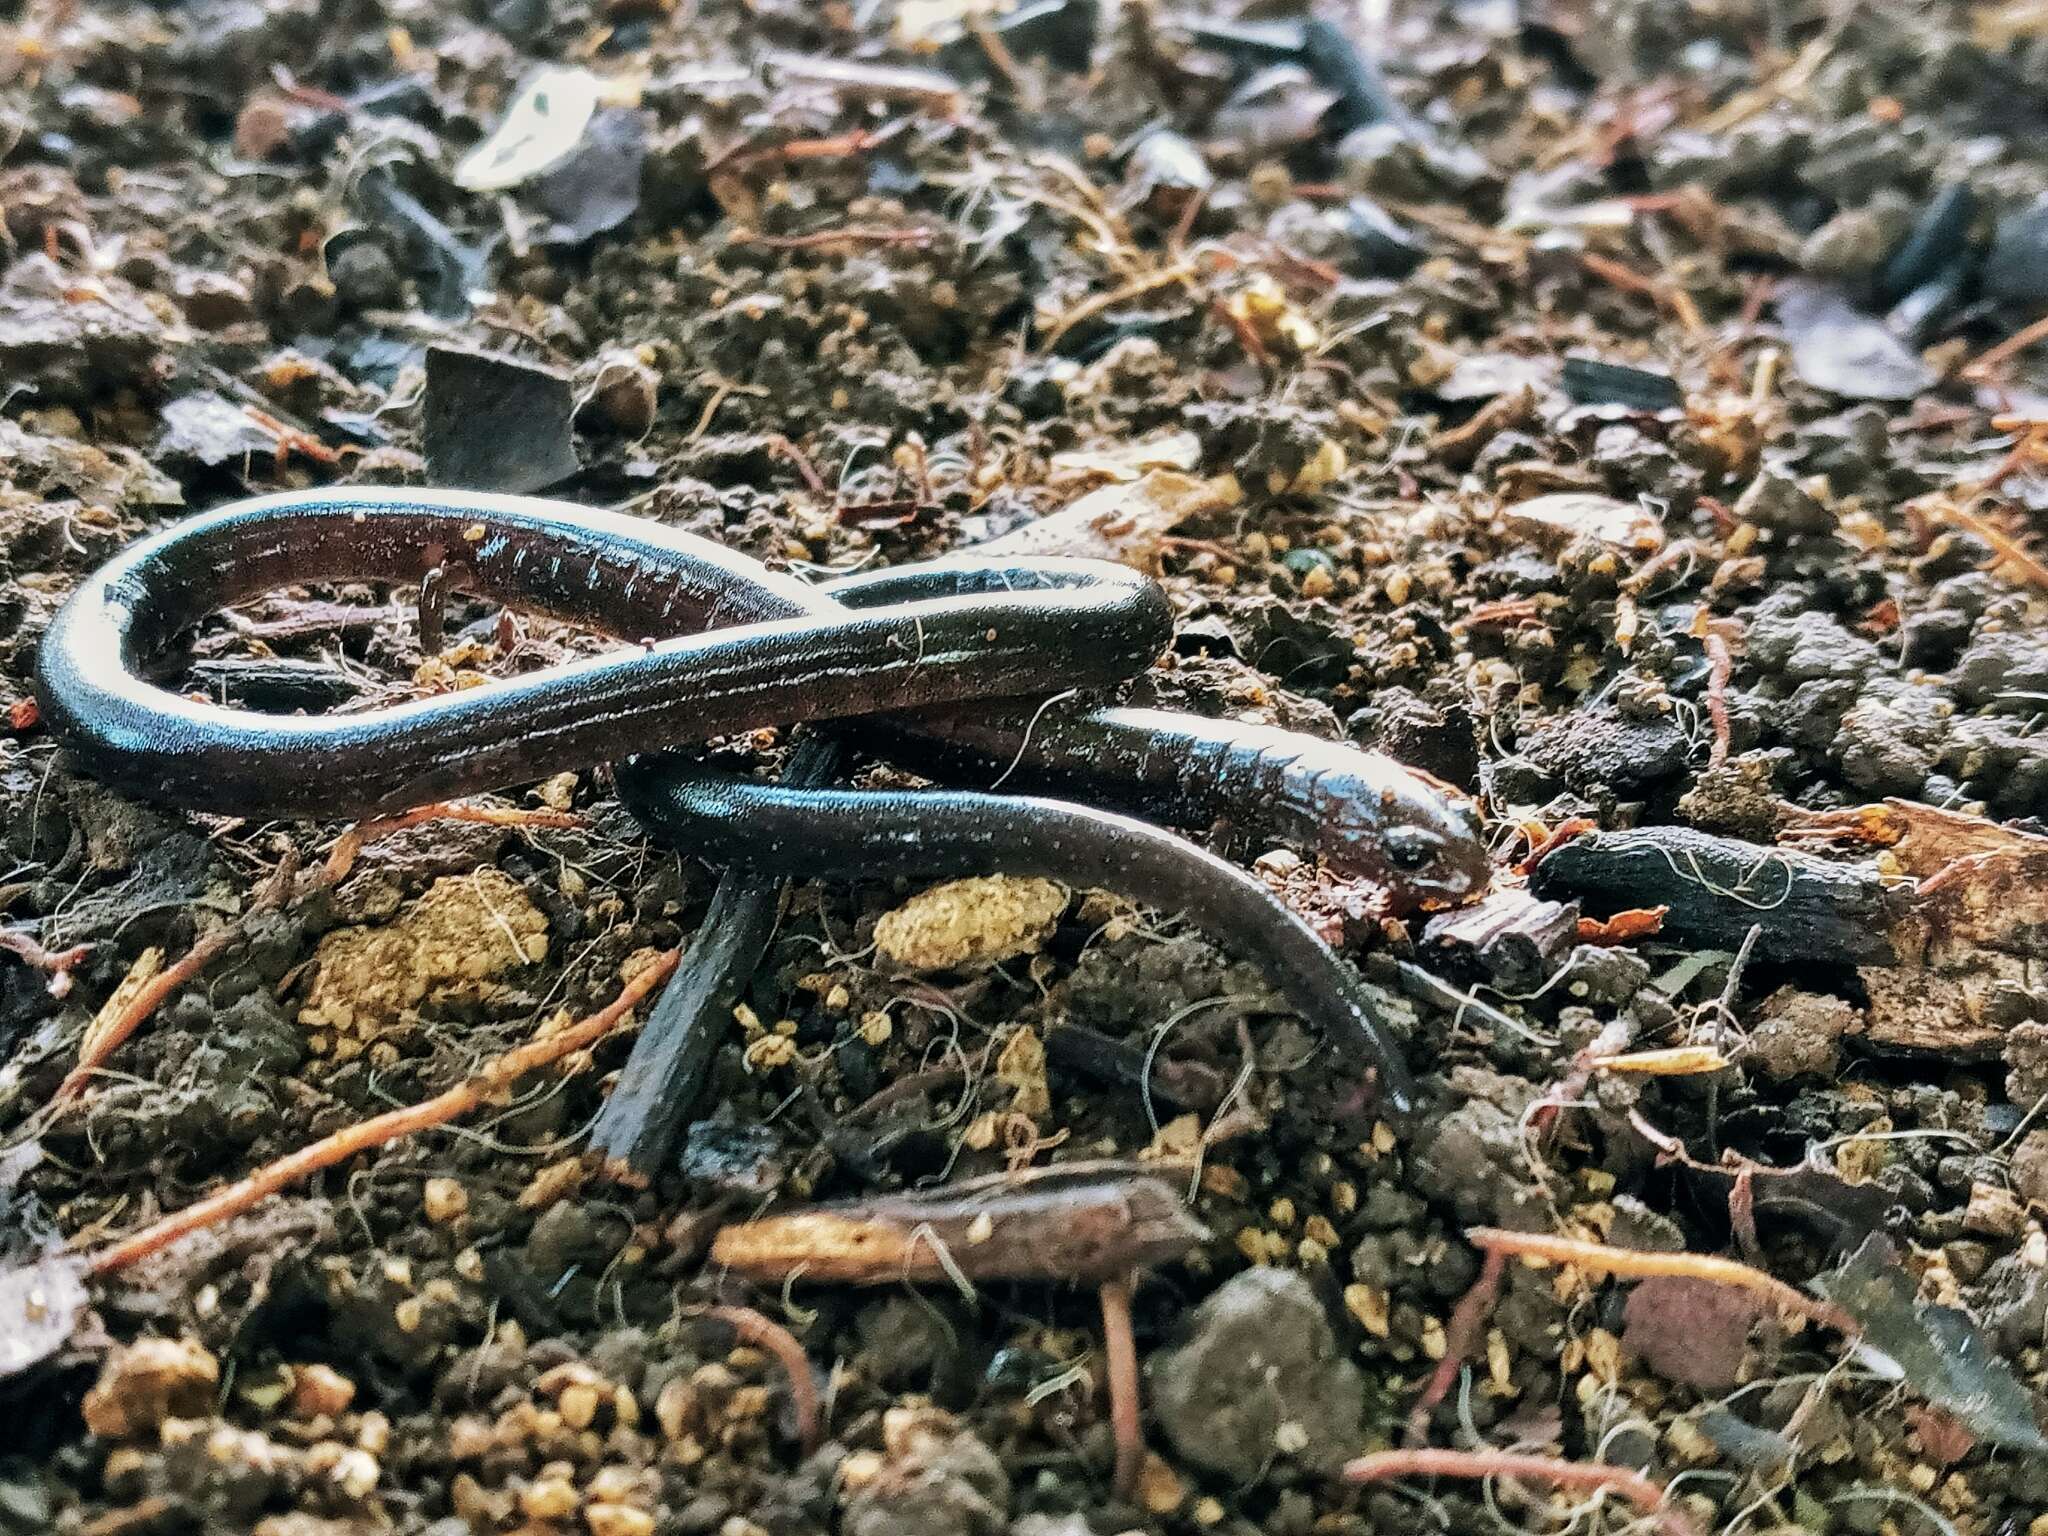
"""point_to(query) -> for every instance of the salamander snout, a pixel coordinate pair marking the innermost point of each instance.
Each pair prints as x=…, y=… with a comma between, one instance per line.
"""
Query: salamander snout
x=1435, y=864
x=1431, y=847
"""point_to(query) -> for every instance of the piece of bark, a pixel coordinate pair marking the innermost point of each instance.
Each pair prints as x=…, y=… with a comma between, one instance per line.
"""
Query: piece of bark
x=1177, y=1084
x=275, y=685
x=1913, y=1009
x=1085, y=1222
x=1718, y=888
x=1511, y=937
x=641, y=1120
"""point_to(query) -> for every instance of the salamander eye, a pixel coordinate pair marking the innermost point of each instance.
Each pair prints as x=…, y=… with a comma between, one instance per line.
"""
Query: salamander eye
x=1410, y=848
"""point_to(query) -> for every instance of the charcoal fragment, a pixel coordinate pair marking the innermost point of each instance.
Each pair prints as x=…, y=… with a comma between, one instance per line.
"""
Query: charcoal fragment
x=1592, y=382
x=497, y=424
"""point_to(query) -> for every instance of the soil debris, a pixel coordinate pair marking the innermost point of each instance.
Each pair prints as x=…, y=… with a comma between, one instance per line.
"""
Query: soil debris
x=450, y=949
x=1631, y=414
x=968, y=925
x=1258, y=1379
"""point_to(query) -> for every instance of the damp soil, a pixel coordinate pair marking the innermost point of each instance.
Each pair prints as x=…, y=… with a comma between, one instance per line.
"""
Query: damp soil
x=1623, y=413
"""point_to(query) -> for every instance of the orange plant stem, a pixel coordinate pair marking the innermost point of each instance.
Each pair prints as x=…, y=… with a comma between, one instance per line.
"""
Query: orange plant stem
x=143, y=1004
x=341, y=859
x=1595, y=1476
x=757, y=1328
x=465, y=1096
x=1637, y=1264
x=1121, y=1353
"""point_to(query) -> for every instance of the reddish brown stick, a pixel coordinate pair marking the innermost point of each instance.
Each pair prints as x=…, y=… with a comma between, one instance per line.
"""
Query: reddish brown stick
x=56, y=963
x=144, y=1003
x=849, y=236
x=756, y=1328
x=342, y=857
x=2014, y=344
x=1461, y=1338
x=1594, y=1476
x=1122, y=1352
x=496, y=1077
x=1719, y=665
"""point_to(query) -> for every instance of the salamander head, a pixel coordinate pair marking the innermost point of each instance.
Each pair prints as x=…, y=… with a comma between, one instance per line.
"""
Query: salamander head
x=1412, y=833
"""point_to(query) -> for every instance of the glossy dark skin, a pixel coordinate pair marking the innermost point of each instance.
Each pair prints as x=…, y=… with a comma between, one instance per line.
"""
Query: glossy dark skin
x=955, y=832
x=1368, y=816
x=740, y=647
x=777, y=651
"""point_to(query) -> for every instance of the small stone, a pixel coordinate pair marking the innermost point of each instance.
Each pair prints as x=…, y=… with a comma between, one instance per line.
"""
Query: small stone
x=1838, y=348
x=1160, y=1490
x=903, y=1341
x=363, y=274
x=263, y=126
x=1553, y=522
x=578, y=1406
x=2030, y=1169
x=2026, y=1060
x=1382, y=160
x=148, y=1382
x=1800, y=1033
x=2004, y=668
x=72, y=353
x=620, y=395
x=355, y=1473
x=1993, y=1211
x=1857, y=241
x=320, y=1390
x=213, y=301
x=617, y=1520
x=1777, y=500
x=677, y=1410
x=548, y=1498
x=1258, y=1371
x=935, y=1481
x=1599, y=748
x=444, y=1200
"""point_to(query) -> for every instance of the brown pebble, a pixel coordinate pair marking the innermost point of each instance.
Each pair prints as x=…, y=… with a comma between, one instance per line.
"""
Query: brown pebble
x=148, y=1382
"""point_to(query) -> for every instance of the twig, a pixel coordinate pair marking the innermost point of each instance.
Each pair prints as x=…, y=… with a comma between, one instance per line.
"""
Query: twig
x=2008, y=549
x=755, y=1328
x=492, y=1082
x=104, y=1040
x=850, y=236
x=1661, y=291
x=776, y=443
x=342, y=857
x=1121, y=1351
x=2016, y=343
x=1631, y=1485
x=1005, y=62
x=1719, y=665
x=637, y=1128
x=1461, y=1338
x=1095, y=304
x=2033, y=436
x=859, y=80
x=1638, y=1264
x=57, y=963
x=1078, y=1221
